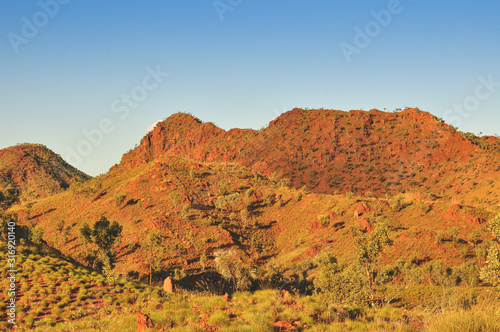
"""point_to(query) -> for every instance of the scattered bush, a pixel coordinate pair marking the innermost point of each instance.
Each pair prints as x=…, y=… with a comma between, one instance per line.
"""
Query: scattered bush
x=397, y=203
x=439, y=237
x=324, y=220
x=119, y=199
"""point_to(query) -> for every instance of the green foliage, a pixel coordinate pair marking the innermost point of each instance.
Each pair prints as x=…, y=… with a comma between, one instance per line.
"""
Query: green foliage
x=467, y=274
x=9, y=197
x=107, y=268
x=220, y=203
x=324, y=220
x=340, y=283
x=478, y=318
x=397, y=203
x=483, y=142
x=104, y=233
x=36, y=235
x=491, y=270
x=203, y=261
x=119, y=199
x=369, y=247
x=185, y=210
x=153, y=250
x=219, y=318
x=229, y=264
x=284, y=183
x=180, y=274
x=244, y=215
x=440, y=236
x=176, y=198
x=60, y=225
x=436, y=273
x=453, y=233
x=494, y=226
x=475, y=237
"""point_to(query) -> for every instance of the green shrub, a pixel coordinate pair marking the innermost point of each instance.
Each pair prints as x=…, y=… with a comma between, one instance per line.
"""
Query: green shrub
x=439, y=237
x=397, y=203
x=119, y=199
x=29, y=321
x=57, y=312
x=453, y=234
x=339, y=283
x=219, y=318
x=324, y=220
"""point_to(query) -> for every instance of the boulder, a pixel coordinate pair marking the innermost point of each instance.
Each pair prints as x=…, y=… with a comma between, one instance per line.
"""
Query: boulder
x=168, y=285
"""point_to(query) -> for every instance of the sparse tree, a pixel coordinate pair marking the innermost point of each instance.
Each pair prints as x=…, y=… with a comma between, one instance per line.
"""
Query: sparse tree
x=491, y=270
x=60, y=225
x=231, y=267
x=185, y=211
x=453, y=233
x=397, y=203
x=153, y=249
x=107, y=267
x=36, y=235
x=339, y=283
x=439, y=237
x=475, y=237
x=8, y=198
x=104, y=234
x=324, y=220
x=369, y=247
x=203, y=261
x=119, y=199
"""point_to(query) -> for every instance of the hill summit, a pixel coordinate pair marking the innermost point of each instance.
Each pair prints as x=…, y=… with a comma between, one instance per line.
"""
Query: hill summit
x=330, y=151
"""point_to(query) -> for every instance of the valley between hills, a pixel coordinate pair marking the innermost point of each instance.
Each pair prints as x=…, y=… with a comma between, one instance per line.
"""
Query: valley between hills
x=324, y=220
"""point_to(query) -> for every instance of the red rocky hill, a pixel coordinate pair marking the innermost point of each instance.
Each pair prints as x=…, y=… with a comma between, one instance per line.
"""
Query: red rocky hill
x=202, y=188
x=332, y=151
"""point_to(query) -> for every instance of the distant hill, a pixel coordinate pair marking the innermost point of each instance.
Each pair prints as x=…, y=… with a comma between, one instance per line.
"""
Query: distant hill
x=33, y=171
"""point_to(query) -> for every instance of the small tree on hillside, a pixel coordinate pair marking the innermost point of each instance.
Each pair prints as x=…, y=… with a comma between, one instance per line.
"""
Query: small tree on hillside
x=8, y=198
x=107, y=267
x=203, y=261
x=36, y=235
x=491, y=270
x=231, y=267
x=339, y=283
x=153, y=249
x=104, y=234
x=369, y=247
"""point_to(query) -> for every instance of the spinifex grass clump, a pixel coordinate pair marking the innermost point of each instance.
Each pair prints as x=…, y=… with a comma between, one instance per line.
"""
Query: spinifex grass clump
x=51, y=296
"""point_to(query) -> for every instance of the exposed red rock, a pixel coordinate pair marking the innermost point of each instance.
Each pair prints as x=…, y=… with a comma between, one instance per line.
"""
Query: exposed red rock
x=329, y=150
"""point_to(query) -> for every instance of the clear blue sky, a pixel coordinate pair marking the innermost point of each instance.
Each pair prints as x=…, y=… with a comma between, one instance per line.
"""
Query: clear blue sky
x=70, y=73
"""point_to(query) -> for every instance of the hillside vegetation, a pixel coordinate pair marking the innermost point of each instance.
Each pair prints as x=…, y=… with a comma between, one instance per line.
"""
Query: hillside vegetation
x=365, y=220
x=331, y=151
